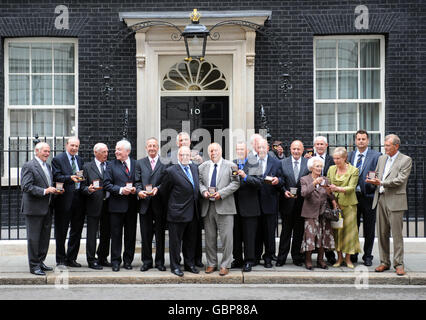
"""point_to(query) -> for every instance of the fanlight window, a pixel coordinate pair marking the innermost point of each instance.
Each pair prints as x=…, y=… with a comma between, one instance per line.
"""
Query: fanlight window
x=194, y=75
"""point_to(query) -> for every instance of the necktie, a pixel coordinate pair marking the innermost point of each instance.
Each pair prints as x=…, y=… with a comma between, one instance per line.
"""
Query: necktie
x=213, y=180
x=152, y=164
x=47, y=174
x=189, y=176
x=125, y=167
x=73, y=165
x=102, y=169
x=359, y=162
x=296, y=170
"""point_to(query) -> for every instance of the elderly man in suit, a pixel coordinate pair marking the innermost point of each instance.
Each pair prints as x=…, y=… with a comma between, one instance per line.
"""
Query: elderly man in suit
x=37, y=187
x=390, y=199
x=119, y=181
x=69, y=206
x=97, y=208
x=149, y=173
x=180, y=188
x=217, y=185
x=293, y=167
x=365, y=160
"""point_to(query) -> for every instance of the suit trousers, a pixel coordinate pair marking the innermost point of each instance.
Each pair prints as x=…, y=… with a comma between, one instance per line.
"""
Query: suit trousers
x=128, y=221
x=93, y=225
x=268, y=225
x=104, y=233
x=292, y=225
x=224, y=223
x=75, y=216
x=38, y=237
x=182, y=235
x=368, y=222
x=152, y=223
x=390, y=221
x=237, y=251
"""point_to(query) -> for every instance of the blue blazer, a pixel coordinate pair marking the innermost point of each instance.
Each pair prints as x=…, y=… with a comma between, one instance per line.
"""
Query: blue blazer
x=269, y=194
x=370, y=164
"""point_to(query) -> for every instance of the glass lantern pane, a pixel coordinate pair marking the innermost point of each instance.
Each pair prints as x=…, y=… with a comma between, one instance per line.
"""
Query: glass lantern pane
x=19, y=58
x=326, y=84
x=41, y=58
x=325, y=117
x=370, y=84
x=347, y=116
x=195, y=45
x=348, y=54
x=325, y=54
x=348, y=84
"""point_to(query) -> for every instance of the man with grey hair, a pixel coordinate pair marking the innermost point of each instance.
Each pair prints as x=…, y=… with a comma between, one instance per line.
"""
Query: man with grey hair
x=390, y=198
x=37, y=188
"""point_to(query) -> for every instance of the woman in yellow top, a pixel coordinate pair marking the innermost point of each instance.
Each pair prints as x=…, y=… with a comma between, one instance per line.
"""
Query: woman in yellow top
x=343, y=179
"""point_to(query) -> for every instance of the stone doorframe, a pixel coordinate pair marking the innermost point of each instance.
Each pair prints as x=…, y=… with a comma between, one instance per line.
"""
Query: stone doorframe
x=156, y=41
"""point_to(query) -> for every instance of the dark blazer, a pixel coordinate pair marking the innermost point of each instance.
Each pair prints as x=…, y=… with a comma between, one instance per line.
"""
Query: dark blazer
x=145, y=175
x=269, y=194
x=290, y=182
x=94, y=201
x=370, y=164
x=247, y=196
x=115, y=177
x=33, y=183
x=62, y=172
x=314, y=198
x=182, y=197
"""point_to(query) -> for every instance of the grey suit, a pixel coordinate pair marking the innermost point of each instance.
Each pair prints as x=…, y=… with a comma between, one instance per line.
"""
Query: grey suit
x=37, y=209
x=218, y=215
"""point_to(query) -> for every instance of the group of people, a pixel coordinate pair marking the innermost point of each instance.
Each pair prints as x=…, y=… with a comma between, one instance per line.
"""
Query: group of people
x=237, y=201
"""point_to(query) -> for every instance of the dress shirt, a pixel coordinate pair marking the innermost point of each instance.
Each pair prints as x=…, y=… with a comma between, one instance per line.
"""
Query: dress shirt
x=155, y=160
x=46, y=172
x=128, y=167
x=388, y=166
x=98, y=165
x=299, y=162
x=263, y=162
x=77, y=184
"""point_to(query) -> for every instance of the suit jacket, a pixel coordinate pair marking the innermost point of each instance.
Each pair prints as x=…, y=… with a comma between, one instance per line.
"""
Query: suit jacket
x=348, y=181
x=115, y=177
x=62, y=172
x=145, y=175
x=314, y=198
x=328, y=162
x=247, y=196
x=287, y=205
x=33, y=183
x=370, y=164
x=226, y=185
x=395, y=182
x=95, y=200
x=269, y=194
x=181, y=196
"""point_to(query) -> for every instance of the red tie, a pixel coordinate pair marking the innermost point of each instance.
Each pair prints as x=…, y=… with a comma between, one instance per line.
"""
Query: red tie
x=125, y=167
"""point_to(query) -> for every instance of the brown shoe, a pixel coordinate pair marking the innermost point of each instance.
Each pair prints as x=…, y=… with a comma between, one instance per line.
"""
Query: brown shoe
x=211, y=269
x=381, y=268
x=400, y=271
x=223, y=271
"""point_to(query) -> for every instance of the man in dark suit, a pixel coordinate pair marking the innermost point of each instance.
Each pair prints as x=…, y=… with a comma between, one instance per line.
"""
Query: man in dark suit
x=180, y=187
x=119, y=181
x=248, y=210
x=69, y=206
x=365, y=159
x=37, y=187
x=149, y=172
x=269, y=168
x=293, y=167
x=97, y=208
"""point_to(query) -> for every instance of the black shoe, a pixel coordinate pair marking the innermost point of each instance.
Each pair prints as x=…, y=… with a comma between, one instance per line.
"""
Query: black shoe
x=354, y=258
x=127, y=266
x=280, y=263
x=236, y=264
x=331, y=257
x=43, y=267
x=60, y=264
x=199, y=264
x=37, y=272
x=145, y=267
x=268, y=264
x=161, y=267
x=104, y=263
x=192, y=269
x=274, y=257
x=73, y=263
x=298, y=263
x=368, y=262
x=115, y=267
x=177, y=272
x=247, y=267
x=95, y=265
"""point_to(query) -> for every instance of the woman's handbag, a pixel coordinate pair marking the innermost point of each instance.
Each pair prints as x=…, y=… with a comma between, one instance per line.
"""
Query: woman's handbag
x=339, y=223
x=331, y=214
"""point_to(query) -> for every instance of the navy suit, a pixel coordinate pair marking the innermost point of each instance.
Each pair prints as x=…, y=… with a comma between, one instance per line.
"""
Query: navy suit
x=365, y=199
x=122, y=209
x=69, y=208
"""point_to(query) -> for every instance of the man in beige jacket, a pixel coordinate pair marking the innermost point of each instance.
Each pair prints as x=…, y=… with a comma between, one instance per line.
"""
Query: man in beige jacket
x=392, y=172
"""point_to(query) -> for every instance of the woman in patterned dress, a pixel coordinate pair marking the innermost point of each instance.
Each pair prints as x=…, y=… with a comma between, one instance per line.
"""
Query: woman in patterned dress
x=318, y=232
x=343, y=180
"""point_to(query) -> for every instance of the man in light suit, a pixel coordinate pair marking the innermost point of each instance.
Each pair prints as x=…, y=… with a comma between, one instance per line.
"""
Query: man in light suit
x=218, y=209
x=37, y=187
x=390, y=198
x=365, y=160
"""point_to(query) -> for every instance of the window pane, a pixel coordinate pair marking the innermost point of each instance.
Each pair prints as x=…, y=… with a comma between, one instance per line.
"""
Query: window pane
x=346, y=141
x=64, y=90
x=64, y=57
x=325, y=117
x=18, y=152
x=20, y=123
x=369, y=116
x=41, y=58
x=43, y=123
x=326, y=84
x=370, y=53
x=348, y=54
x=42, y=90
x=347, y=117
x=19, y=90
x=370, y=84
x=64, y=123
x=348, y=84
x=375, y=141
x=19, y=58
x=325, y=54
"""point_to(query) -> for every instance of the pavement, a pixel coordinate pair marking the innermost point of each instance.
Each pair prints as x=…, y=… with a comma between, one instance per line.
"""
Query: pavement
x=14, y=270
